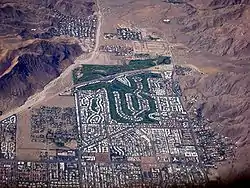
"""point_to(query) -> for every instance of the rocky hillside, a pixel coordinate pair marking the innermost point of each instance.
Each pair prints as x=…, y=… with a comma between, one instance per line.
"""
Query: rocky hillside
x=30, y=55
x=224, y=100
x=38, y=64
x=217, y=26
x=218, y=31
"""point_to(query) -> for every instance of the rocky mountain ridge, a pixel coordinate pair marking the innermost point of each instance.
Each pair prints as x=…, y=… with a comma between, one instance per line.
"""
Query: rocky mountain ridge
x=219, y=27
x=218, y=30
x=43, y=62
x=29, y=59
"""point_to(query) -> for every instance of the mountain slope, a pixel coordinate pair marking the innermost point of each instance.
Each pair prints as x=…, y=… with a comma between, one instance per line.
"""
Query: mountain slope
x=43, y=63
x=30, y=56
x=219, y=32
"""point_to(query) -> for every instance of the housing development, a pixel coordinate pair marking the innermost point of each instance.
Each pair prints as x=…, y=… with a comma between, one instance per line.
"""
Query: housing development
x=124, y=125
x=127, y=129
x=134, y=130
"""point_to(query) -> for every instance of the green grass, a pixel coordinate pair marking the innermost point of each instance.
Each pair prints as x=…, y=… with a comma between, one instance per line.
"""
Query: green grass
x=123, y=89
x=92, y=72
x=163, y=60
x=94, y=105
x=135, y=102
x=93, y=86
x=141, y=64
x=144, y=77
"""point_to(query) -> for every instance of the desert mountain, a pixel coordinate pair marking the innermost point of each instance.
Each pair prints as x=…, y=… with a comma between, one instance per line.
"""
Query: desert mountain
x=31, y=53
x=38, y=64
x=218, y=40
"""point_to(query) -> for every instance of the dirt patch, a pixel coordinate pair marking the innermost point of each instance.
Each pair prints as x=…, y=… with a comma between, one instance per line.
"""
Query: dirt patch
x=23, y=138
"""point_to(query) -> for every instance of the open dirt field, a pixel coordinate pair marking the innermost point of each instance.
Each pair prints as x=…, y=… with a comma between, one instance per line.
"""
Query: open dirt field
x=23, y=141
x=156, y=47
